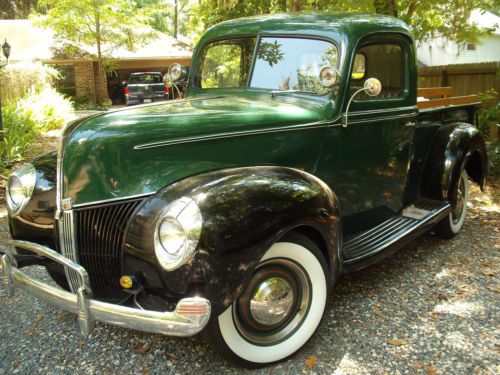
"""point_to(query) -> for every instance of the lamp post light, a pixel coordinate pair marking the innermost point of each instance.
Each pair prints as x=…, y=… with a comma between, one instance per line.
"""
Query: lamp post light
x=6, y=53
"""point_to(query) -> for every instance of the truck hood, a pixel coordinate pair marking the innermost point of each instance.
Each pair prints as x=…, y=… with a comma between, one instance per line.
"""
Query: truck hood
x=138, y=151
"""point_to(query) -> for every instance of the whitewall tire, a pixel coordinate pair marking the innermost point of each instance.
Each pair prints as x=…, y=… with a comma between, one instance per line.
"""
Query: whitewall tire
x=280, y=308
x=454, y=222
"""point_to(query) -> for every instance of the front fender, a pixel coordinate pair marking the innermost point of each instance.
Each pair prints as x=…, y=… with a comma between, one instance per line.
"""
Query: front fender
x=454, y=147
x=245, y=210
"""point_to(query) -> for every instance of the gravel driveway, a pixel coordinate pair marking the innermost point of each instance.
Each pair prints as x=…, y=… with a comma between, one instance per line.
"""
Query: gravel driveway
x=430, y=309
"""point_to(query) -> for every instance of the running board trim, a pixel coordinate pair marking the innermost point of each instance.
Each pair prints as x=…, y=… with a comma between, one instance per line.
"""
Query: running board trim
x=366, y=248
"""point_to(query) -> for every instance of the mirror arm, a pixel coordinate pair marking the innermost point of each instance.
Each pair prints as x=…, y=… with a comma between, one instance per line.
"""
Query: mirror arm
x=346, y=115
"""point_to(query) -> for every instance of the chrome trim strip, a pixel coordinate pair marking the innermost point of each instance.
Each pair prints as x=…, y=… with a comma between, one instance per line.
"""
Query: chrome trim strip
x=386, y=110
x=67, y=242
x=189, y=317
x=233, y=134
x=113, y=200
x=385, y=118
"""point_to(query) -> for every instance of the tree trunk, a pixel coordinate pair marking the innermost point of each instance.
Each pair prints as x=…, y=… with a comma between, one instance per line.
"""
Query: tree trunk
x=385, y=7
x=101, y=93
x=283, y=5
x=296, y=5
x=176, y=16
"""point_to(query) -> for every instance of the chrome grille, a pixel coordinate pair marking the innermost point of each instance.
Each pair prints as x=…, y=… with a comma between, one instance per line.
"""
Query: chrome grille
x=99, y=236
x=68, y=245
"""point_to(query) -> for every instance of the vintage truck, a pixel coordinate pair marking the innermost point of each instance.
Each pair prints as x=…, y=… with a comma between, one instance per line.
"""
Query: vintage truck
x=299, y=153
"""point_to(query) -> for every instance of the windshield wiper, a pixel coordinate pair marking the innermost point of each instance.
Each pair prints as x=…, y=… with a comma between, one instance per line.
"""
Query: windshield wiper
x=274, y=92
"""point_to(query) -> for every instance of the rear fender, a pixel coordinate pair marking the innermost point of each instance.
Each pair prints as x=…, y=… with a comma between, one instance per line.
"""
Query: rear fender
x=454, y=147
x=245, y=211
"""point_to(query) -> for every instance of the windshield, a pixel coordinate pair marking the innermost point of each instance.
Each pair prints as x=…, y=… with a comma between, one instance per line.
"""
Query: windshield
x=146, y=78
x=281, y=63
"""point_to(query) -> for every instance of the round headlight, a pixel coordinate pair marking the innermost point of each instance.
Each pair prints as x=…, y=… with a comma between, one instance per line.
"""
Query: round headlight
x=172, y=236
x=177, y=233
x=20, y=188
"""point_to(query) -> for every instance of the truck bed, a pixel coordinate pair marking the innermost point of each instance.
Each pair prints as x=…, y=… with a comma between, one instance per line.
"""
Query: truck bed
x=437, y=97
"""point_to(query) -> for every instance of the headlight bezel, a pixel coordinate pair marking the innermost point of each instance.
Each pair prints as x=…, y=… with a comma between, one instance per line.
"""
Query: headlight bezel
x=26, y=177
x=183, y=212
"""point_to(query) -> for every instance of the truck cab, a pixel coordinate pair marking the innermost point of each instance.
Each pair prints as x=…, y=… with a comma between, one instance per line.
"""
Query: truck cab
x=300, y=152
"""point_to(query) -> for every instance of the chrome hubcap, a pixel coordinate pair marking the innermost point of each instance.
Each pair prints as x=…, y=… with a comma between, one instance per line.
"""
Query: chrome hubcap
x=272, y=302
x=275, y=302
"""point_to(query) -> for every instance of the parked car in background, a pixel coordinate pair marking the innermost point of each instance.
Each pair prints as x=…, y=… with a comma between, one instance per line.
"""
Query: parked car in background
x=299, y=153
x=145, y=87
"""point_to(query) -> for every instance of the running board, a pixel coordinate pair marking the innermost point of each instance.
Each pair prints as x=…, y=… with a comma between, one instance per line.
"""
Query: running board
x=366, y=248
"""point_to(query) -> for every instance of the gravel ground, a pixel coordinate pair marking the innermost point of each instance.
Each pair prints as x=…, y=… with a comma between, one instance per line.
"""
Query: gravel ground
x=430, y=309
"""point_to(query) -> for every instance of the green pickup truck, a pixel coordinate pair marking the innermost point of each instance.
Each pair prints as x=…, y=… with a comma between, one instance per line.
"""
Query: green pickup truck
x=301, y=151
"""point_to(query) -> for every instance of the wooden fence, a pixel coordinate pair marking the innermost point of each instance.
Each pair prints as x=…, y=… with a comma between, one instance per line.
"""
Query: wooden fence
x=466, y=79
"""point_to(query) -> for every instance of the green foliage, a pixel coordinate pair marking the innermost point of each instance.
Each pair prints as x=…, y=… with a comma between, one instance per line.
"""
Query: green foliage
x=24, y=119
x=18, y=135
x=12, y=9
x=102, y=24
x=489, y=114
x=45, y=110
x=84, y=103
x=21, y=78
x=426, y=18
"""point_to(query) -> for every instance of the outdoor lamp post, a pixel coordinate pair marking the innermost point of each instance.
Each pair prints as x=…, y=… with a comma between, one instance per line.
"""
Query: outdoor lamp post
x=6, y=53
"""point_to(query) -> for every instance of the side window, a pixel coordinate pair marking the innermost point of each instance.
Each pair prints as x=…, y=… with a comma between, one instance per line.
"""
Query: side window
x=384, y=62
x=226, y=63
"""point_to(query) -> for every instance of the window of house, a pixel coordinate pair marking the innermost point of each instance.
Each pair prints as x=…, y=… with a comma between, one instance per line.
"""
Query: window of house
x=386, y=63
x=65, y=82
x=471, y=47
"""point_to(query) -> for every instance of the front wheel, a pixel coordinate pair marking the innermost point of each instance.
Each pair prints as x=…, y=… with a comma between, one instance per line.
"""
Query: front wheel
x=453, y=223
x=280, y=308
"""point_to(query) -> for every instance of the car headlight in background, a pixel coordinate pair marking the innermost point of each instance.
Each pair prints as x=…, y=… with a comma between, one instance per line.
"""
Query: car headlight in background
x=20, y=188
x=177, y=233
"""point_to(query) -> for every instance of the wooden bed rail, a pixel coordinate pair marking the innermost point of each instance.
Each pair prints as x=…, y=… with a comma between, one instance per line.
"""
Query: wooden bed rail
x=441, y=97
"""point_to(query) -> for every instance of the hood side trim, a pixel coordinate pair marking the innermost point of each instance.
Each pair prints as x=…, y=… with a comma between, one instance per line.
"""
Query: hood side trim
x=204, y=138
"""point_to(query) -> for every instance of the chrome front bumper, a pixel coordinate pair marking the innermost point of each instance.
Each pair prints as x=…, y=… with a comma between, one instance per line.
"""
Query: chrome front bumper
x=189, y=317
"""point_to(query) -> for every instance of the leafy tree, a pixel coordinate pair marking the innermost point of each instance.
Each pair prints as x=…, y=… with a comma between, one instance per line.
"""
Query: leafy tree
x=12, y=9
x=102, y=24
x=425, y=17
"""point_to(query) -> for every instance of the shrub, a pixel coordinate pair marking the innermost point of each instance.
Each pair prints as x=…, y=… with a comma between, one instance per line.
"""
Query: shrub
x=18, y=135
x=26, y=118
x=19, y=79
x=84, y=103
x=45, y=110
x=490, y=111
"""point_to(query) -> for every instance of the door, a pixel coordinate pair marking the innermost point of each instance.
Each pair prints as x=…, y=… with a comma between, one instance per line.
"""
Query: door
x=374, y=149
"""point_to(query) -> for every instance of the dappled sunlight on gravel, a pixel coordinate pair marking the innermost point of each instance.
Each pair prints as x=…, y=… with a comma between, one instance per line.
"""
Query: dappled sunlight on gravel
x=431, y=308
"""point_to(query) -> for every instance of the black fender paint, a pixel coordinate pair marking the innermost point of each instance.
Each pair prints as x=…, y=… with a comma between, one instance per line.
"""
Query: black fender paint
x=453, y=146
x=245, y=210
x=36, y=222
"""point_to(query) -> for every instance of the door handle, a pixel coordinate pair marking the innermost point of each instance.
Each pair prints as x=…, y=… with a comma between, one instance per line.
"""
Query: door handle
x=410, y=124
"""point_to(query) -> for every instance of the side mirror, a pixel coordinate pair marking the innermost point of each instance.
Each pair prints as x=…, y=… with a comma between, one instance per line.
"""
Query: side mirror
x=177, y=72
x=372, y=87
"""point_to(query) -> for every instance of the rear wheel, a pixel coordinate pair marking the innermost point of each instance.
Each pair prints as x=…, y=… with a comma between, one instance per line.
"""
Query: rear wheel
x=280, y=308
x=454, y=222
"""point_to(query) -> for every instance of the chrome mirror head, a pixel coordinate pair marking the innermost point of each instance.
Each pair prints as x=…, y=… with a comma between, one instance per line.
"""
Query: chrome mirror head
x=372, y=87
x=177, y=72
x=328, y=76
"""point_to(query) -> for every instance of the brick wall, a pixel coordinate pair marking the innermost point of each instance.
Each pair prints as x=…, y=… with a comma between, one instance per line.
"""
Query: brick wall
x=84, y=79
